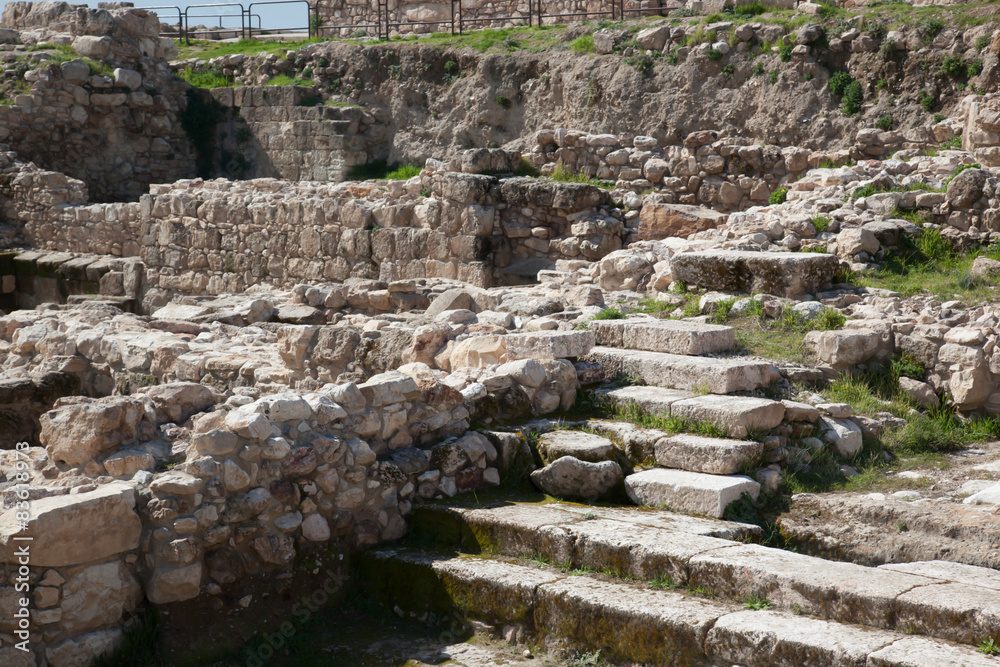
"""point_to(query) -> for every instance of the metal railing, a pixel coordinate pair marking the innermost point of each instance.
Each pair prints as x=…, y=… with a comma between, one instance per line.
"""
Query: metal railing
x=385, y=20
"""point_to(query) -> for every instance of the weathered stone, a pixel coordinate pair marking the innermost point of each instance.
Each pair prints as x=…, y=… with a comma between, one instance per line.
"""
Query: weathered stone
x=549, y=345
x=584, y=446
x=62, y=527
x=715, y=456
x=690, y=492
x=572, y=478
x=779, y=273
x=671, y=336
x=662, y=220
x=82, y=430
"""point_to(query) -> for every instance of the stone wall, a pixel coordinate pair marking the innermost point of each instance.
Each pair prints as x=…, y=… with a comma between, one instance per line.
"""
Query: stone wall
x=120, y=131
x=725, y=174
x=211, y=237
x=285, y=132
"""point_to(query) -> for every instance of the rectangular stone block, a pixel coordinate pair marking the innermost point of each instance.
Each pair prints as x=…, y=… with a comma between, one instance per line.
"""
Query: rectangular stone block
x=691, y=492
x=671, y=336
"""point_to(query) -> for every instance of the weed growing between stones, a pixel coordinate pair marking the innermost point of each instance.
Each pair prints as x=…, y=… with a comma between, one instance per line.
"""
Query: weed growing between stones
x=989, y=646
x=757, y=603
x=662, y=582
x=586, y=660
x=610, y=314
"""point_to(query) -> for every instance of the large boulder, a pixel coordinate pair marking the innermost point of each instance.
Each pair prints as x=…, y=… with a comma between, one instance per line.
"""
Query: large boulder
x=966, y=188
x=659, y=220
x=779, y=273
x=77, y=432
x=569, y=477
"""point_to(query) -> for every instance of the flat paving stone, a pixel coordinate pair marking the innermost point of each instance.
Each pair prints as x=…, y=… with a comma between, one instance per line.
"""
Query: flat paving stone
x=983, y=577
x=672, y=336
x=774, y=638
x=925, y=652
x=839, y=591
x=652, y=627
x=692, y=492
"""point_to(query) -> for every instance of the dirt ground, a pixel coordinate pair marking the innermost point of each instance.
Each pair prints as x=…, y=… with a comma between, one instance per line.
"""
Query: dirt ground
x=914, y=514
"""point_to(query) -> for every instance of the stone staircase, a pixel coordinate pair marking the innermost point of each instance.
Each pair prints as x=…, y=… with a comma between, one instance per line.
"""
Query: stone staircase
x=655, y=587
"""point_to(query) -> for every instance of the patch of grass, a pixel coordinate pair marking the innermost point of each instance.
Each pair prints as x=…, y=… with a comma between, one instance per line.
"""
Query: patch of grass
x=286, y=80
x=757, y=603
x=403, y=173
x=205, y=79
x=340, y=103
x=662, y=582
x=975, y=68
x=610, y=314
x=382, y=171
x=563, y=174
x=582, y=44
x=942, y=430
x=672, y=424
x=785, y=52
x=713, y=54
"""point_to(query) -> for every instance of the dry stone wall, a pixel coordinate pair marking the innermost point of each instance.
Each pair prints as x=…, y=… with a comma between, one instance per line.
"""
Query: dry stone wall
x=285, y=132
x=120, y=128
x=210, y=237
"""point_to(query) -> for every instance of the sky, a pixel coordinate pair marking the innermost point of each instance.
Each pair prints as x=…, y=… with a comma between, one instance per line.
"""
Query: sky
x=272, y=16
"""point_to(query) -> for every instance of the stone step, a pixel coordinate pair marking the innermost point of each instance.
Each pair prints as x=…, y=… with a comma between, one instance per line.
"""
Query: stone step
x=737, y=416
x=715, y=456
x=580, y=444
x=937, y=600
x=688, y=492
x=700, y=374
x=671, y=336
x=631, y=621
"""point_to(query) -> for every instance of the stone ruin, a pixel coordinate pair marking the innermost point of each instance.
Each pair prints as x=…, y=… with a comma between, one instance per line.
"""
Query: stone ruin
x=211, y=372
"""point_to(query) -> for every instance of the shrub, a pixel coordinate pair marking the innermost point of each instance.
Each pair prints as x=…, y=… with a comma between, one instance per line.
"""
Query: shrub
x=754, y=9
x=938, y=117
x=773, y=76
x=982, y=42
x=884, y=122
x=929, y=28
x=927, y=101
x=758, y=69
x=713, y=54
x=888, y=49
x=853, y=98
x=403, y=173
x=807, y=76
x=954, y=67
x=503, y=101
x=839, y=82
x=610, y=314
x=583, y=44
x=778, y=196
x=785, y=52
x=975, y=68
x=307, y=72
x=728, y=70
x=820, y=223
